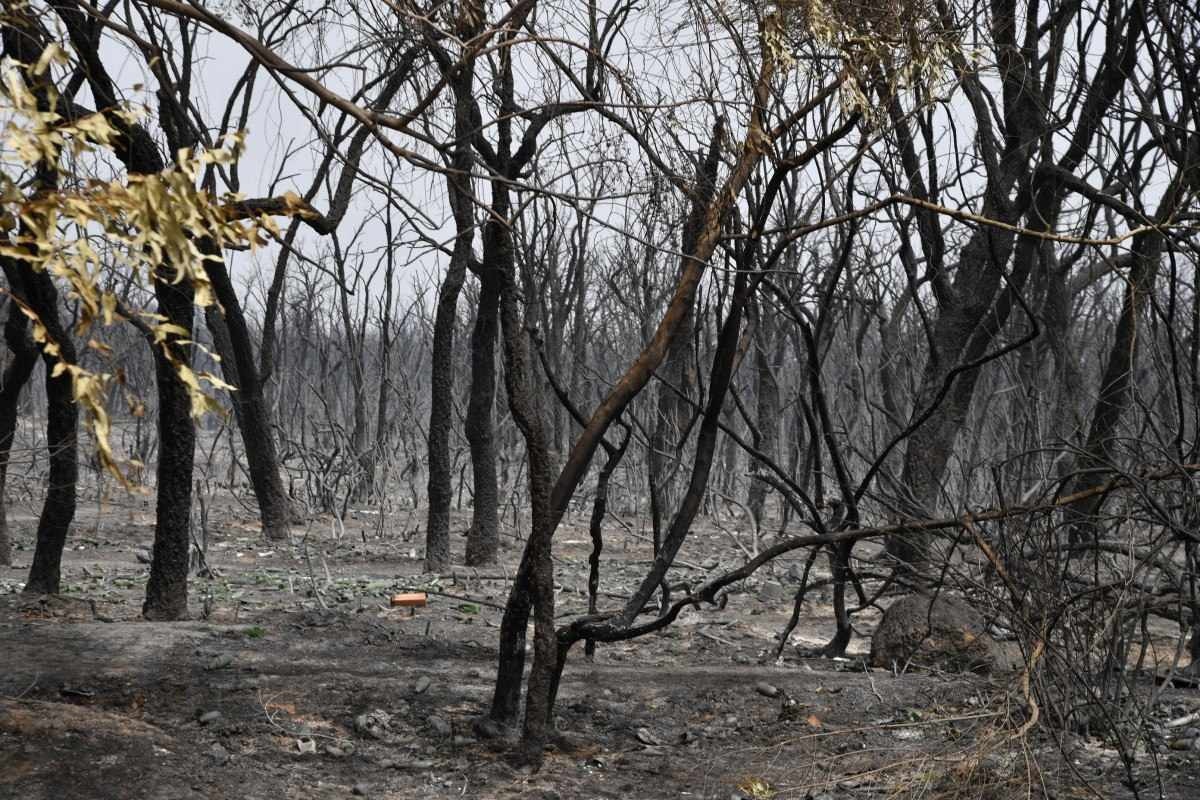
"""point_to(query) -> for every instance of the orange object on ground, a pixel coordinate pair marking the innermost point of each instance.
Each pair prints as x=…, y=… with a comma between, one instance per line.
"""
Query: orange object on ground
x=409, y=600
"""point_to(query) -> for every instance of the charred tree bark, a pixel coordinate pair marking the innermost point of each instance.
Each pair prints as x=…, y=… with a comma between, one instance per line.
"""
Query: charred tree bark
x=1116, y=385
x=670, y=423
x=461, y=198
x=437, y=532
x=974, y=309
x=766, y=411
x=167, y=588
x=483, y=538
x=596, y=533
x=16, y=375
x=62, y=440
x=355, y=365
x=238, y=365
x=23, y=42
x=678, y=375
x=37, y=291
x=383, y=422
x=528, y=412
x=535, y=575
x=534, y=584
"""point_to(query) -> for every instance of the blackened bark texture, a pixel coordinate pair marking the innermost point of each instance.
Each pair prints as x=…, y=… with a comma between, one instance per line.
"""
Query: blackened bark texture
x=961, y=308
x=596, y=532
x=975, y=308
x=355, y=365
x=62, y=440
x=461, y=198
x=24, y=355
x=678, y=369
x=671, y=422
x=62, y=435
x=238, y=365
x=767, y=353
x=534, y=576
x=167, y=588
x=483, y=538
x=678, y=374
x=437, y=532
x=383, y=422
x=24, y=42
x=527, y=408
x=523, y=402
x=1116, y=390
x=534, y=584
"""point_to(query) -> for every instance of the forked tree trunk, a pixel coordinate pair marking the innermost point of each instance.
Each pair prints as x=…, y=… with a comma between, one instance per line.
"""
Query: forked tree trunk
x=538, y=570
x=535, y=577
x=975, y=310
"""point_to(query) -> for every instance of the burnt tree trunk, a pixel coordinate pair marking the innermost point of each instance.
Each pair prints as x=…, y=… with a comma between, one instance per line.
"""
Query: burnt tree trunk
x=766, y=355
x=23, y=42
x=383, y=422
x=16, y=375
x=1116, y=385
x=441, y=377
x=483, y=539
x=238, y=365
x=167, y=588
x=975, y=308
x=671, y=421
x=534, y=578
x=529, y=415
x=62, y=437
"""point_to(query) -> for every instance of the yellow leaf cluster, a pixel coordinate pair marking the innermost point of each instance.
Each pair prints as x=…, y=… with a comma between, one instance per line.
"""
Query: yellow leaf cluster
x=148, y=227
x=756, y=788
x=883, y=46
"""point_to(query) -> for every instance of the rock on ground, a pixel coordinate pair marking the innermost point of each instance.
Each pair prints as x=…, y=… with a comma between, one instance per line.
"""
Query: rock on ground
x=949, y=636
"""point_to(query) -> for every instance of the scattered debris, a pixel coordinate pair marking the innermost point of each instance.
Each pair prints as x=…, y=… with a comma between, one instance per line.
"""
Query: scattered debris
x=373, y=723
